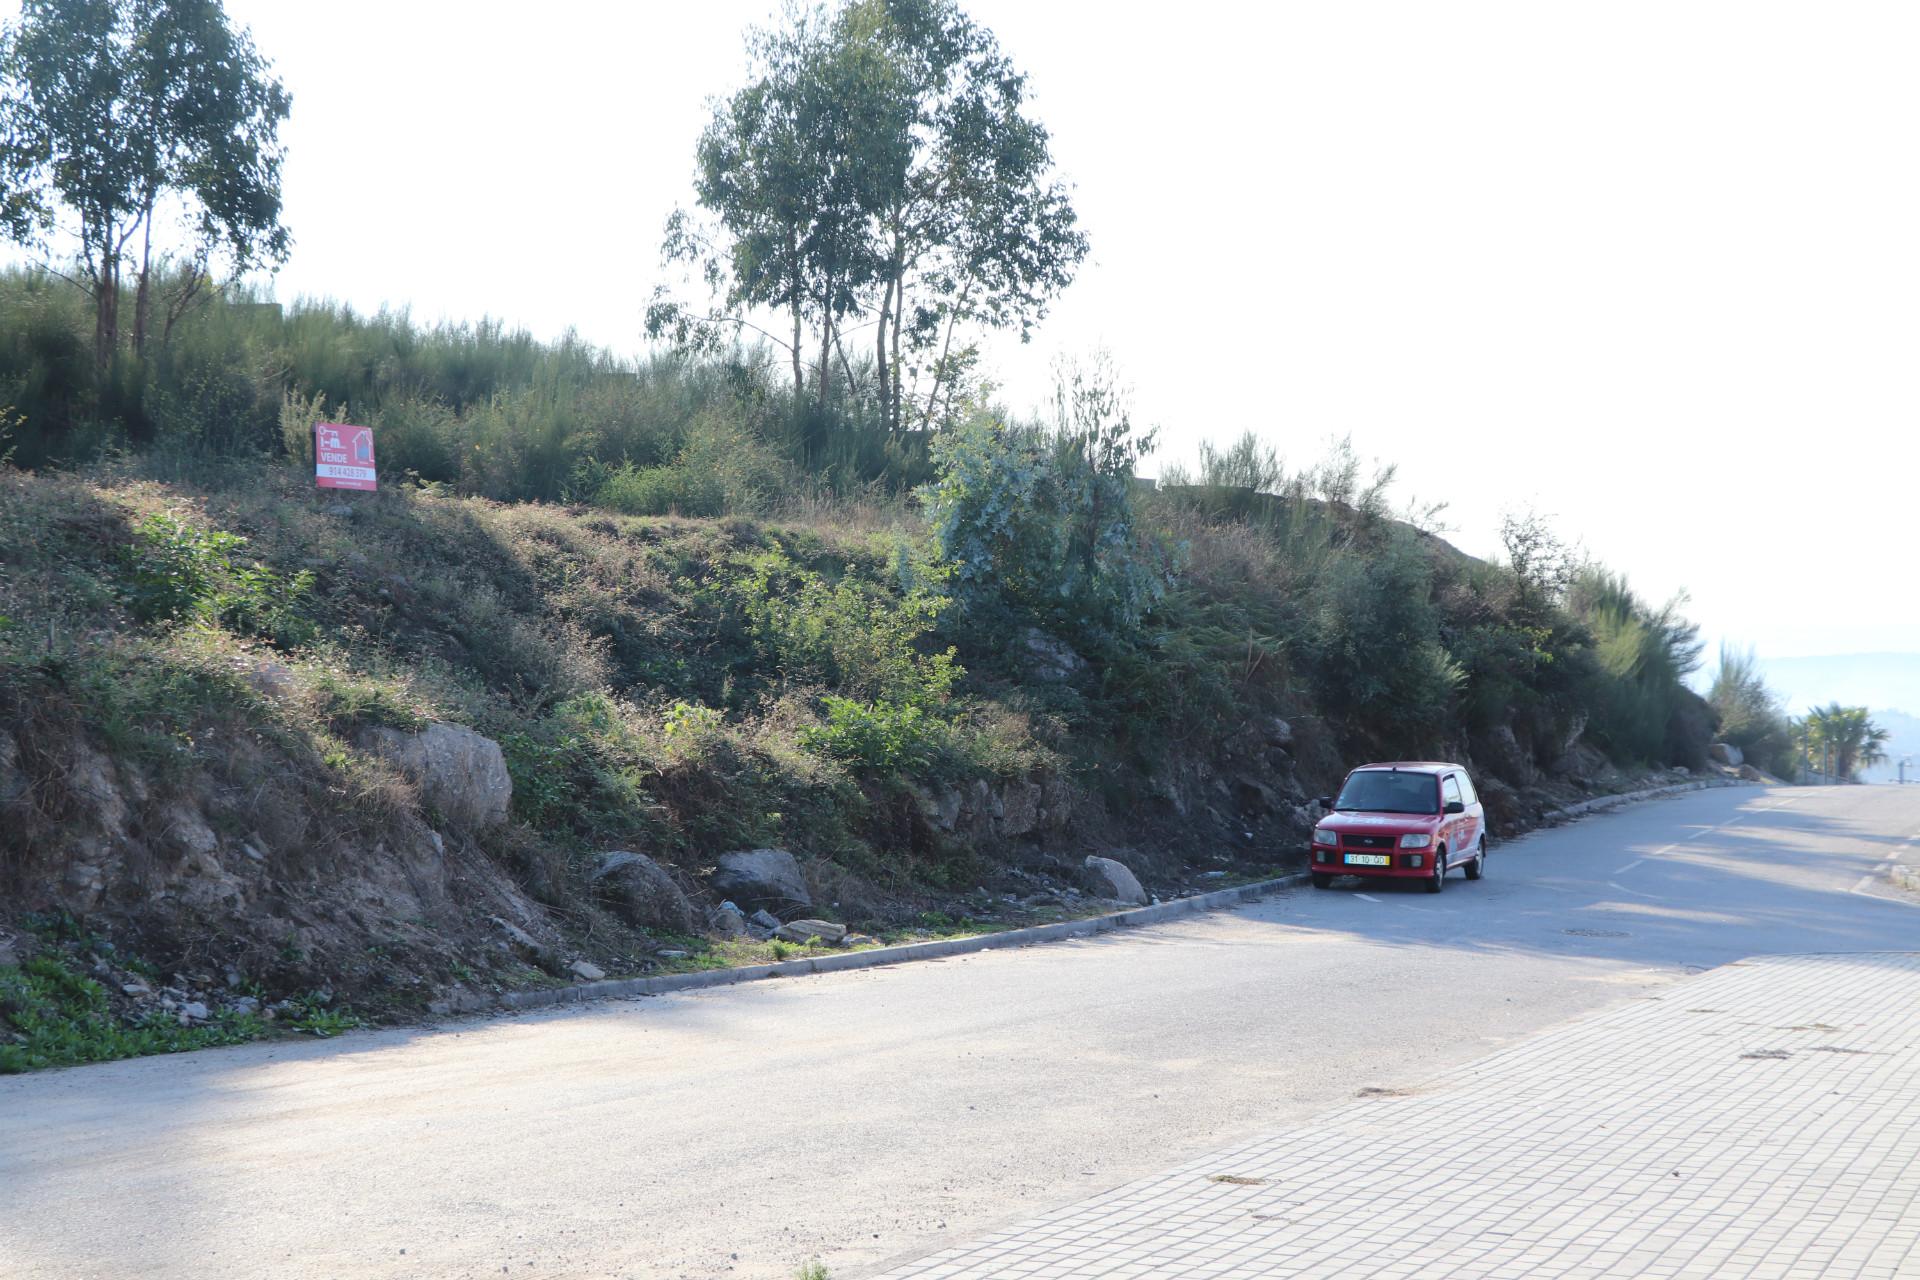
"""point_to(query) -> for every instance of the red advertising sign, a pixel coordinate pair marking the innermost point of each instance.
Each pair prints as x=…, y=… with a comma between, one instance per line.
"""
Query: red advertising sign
x=342, y=456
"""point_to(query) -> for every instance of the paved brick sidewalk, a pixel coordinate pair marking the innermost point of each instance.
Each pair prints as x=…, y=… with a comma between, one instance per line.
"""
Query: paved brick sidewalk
x=1762, y=1120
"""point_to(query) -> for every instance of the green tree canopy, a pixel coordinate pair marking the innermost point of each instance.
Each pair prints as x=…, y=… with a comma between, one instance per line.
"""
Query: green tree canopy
x=880, y=163
x=130, y=115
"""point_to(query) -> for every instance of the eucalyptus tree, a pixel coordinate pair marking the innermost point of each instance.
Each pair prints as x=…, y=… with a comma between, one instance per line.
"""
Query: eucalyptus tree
x=880, y=164
x=120, y=118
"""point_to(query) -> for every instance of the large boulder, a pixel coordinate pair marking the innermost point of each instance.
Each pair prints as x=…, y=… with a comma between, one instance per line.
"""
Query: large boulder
x=459, y=772
x=642, y=892
x=1106, y=878
x=767, y=879
x=1726, y=753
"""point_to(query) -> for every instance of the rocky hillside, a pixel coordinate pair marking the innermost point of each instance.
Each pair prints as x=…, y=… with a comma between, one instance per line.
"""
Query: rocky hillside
x=271, y=754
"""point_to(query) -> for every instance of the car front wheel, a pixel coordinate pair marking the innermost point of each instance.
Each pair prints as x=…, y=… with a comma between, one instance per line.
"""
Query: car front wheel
x=1322, y=880
x=1438, y=880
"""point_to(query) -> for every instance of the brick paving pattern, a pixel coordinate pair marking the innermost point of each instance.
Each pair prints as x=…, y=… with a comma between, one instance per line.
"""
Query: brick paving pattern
x=1761, y=1120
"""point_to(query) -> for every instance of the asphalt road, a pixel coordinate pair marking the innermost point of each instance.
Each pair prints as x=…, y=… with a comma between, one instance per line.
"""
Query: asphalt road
x=872, y=1116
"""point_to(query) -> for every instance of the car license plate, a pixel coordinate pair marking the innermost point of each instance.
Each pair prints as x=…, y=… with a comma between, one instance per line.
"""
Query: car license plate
x=1368, y=860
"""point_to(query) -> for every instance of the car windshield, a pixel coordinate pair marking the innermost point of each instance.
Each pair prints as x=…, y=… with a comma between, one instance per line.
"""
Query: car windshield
x=1384, y=791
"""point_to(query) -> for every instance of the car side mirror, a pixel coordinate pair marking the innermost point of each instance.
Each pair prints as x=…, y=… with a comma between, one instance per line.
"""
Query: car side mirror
x=1325, y=802
x=1456, y=806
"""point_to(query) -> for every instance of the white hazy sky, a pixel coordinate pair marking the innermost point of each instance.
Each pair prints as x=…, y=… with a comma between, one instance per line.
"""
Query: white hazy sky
x=1652, y=268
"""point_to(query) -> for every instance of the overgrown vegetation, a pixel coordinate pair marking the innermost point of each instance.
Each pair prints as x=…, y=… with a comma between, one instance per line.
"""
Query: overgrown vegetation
x=714, y=599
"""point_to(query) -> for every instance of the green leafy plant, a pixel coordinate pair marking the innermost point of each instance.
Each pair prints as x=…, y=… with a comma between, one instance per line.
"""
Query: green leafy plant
x=176, y=572
x=878, y=738
x=315, y=1014
x=60, y=1017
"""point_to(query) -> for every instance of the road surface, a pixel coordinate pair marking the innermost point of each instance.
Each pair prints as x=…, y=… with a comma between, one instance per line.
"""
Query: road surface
x=868, y=1117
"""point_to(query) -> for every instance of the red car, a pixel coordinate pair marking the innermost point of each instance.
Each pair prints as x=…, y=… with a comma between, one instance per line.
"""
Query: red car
x=1415, y=820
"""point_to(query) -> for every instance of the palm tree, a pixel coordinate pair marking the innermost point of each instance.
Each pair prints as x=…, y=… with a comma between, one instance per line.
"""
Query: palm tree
x=1844, y=737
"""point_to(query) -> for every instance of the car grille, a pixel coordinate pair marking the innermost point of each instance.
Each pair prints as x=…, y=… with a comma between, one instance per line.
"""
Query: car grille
x=1367, y=842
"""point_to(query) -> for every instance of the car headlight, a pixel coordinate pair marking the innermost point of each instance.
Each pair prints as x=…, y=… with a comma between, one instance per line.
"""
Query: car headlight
x=1415, y=841
x=1323, y=836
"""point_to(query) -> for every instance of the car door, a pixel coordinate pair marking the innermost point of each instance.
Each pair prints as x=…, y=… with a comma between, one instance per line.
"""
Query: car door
x=1452, y=829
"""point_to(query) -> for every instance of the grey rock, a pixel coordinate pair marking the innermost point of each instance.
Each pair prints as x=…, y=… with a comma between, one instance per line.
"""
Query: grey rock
x=459, y=772
x=672, y=953
x=1253, y=795
x=341, y=509
x=1107, y=878
x=1726, y=753
x=942, y=806
x=246, y=1006
x=805, y=930
x=1277, y=733
x=642, y=892
x=194, y=1011
x=252, y=852
x=136, y=988
x=769, y=879
x=1016, y=809
x=727, y=921
x=1046, y=658
x=272, y=680
x=525, y=945
x=187, y=831
x=765, y=920
x=586, y=971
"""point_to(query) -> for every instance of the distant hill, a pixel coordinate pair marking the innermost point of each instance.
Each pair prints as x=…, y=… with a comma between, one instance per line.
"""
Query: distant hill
x=1887, y=684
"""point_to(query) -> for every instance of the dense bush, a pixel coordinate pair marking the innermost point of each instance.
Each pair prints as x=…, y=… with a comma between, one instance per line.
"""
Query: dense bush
x=1042, y=528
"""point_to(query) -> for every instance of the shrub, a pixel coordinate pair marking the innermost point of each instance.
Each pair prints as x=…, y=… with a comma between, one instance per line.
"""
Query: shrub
x=177, y=572
x=660, y=491
x=1640, y=704
x=880, y=738
x=1376, y=648
x=854, y=636
x=1044, y=528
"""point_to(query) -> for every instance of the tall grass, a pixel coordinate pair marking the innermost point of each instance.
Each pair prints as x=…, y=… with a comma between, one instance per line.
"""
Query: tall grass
x=482, y=408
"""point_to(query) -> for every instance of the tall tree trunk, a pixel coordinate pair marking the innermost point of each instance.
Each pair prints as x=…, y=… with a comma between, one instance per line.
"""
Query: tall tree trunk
x=888, y=418
x=826, y=349
x=799, y=371
x=142, y=298
x=946, y=348
x=106, y=302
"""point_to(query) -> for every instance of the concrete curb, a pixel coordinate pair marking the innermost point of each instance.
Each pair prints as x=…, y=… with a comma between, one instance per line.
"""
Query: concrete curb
x=836, y=962
x=1599, y=804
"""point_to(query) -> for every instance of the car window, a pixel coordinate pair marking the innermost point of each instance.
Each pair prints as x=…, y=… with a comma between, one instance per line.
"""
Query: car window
x=1466, y=789
x=1387, y=791
x=1450, y=789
